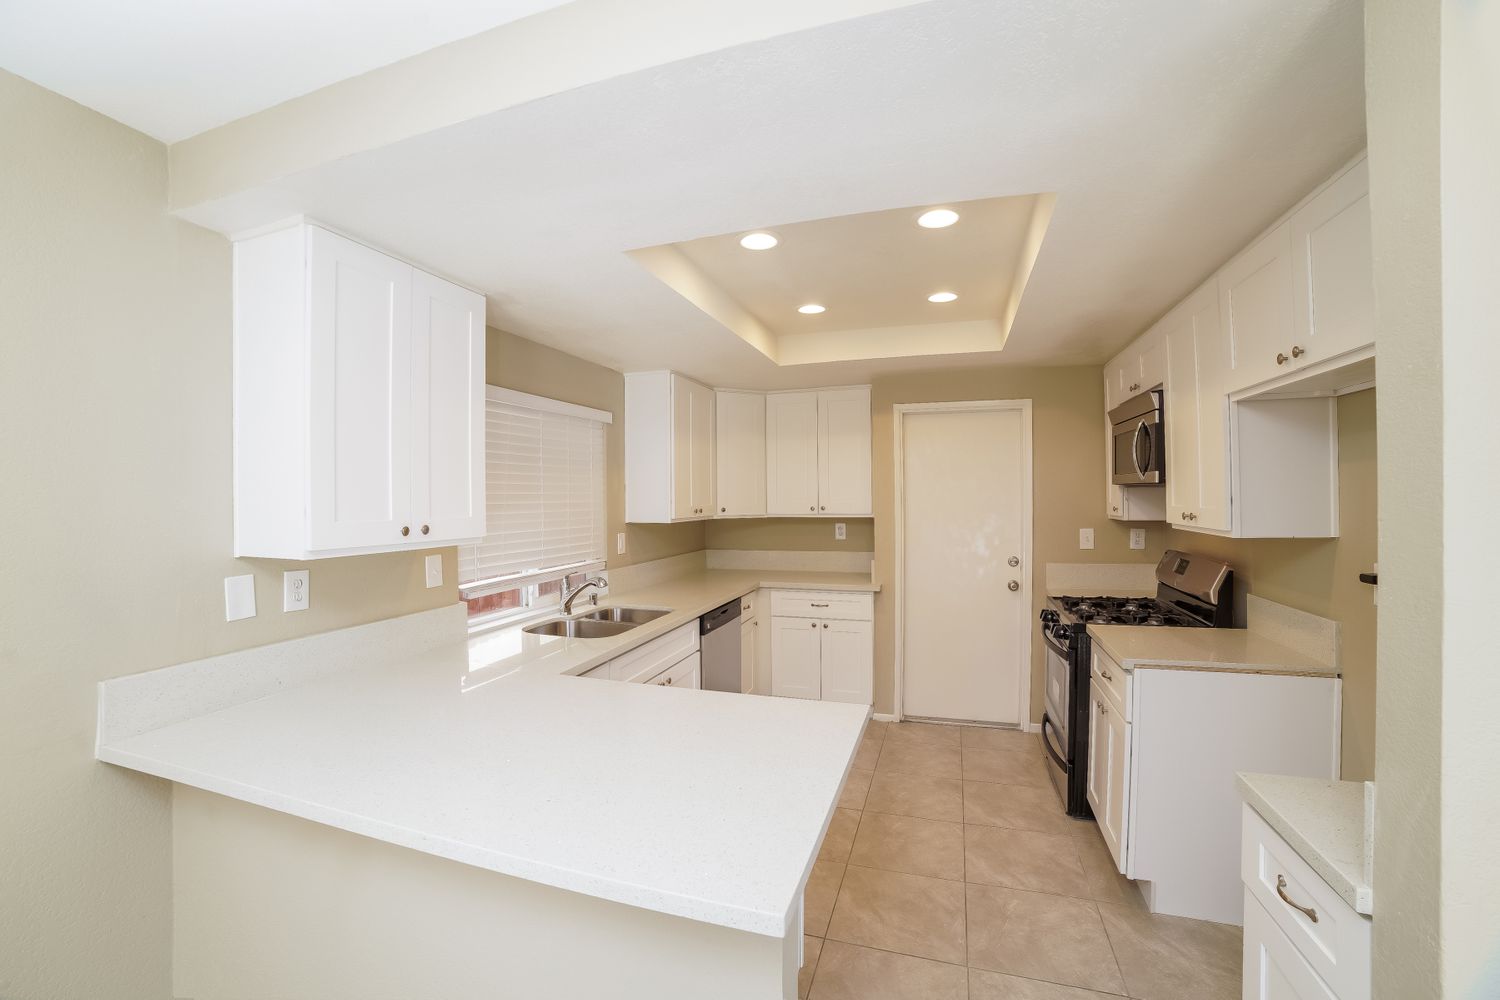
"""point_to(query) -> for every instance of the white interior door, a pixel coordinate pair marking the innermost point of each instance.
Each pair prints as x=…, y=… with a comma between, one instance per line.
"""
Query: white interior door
x=966, y=479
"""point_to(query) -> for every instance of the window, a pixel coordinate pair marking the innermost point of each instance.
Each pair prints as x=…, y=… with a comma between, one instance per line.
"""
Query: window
x=545, y=507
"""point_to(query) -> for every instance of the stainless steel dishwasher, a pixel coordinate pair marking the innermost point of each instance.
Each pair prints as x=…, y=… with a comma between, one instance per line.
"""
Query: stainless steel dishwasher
x=719, y=647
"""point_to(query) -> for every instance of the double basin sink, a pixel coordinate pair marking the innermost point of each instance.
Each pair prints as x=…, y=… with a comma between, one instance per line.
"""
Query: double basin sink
x=597, y=624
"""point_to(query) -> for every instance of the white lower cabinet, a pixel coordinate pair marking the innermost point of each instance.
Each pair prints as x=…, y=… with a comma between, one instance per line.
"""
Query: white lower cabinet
x=822, y=646
x=668, y=659
x=1273, y=967
x=1108, y=783
x=749, y=643
x=684, y=674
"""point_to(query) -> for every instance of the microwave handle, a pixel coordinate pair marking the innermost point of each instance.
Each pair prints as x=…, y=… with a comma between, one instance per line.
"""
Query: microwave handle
x=1135, y=450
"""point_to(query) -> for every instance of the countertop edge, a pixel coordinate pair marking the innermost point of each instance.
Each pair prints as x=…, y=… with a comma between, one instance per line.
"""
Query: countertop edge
x=1358, y=894
x=1131, y=663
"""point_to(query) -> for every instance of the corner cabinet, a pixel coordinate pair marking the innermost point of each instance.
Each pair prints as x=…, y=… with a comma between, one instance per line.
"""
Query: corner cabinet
x=818, y=453
x=358, y=400
x=669, y=448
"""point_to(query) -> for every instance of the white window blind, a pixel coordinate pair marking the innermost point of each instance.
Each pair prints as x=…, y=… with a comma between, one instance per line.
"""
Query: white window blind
x=545, y=507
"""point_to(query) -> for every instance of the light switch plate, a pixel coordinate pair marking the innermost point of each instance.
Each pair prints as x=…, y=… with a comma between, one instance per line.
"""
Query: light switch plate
x=239, y=597
x=620, y=543
x=1085, y=538
x=840, y=532
x=295, y=593
x=1137, y=538
x=434, y=570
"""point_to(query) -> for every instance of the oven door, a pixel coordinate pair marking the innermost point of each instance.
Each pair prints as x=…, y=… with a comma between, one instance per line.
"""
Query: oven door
x=1139, y=451
x=1057, y=702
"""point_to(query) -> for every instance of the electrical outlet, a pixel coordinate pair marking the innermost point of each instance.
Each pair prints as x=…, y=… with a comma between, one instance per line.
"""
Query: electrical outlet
x=295, y=595
x=620, y=543
x=239, y=597
x=434, y=568
x=1085, y=538
x=1137, y=538
x=840, y=532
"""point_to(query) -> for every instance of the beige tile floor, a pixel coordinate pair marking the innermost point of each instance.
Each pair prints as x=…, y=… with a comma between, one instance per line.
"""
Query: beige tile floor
x=950, y=872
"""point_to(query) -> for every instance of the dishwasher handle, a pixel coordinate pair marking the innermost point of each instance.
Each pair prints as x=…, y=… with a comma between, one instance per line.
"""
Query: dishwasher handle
x=719, y=617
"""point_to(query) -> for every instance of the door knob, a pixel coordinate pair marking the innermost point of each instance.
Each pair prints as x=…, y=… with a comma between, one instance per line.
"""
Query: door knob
x=1014, y=585
x=1013, y=561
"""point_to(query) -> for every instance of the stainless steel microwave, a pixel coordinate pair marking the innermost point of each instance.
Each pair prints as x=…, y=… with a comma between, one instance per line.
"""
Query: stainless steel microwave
x=1138, y=446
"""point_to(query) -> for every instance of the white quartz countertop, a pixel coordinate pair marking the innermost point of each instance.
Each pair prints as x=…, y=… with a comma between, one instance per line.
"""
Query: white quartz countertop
x=1325, y=822
x=702, y=804
x=1228, y=649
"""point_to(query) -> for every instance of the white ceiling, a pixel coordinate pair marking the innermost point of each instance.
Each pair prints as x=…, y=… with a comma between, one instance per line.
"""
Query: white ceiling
x=174, y=68
x=1172, y=131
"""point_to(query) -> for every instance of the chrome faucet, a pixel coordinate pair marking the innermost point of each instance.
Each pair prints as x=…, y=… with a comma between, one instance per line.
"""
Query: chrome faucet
x=569, y=596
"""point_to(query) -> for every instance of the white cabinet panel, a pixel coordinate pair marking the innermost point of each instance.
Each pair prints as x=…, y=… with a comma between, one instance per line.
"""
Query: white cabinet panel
x=1333, y=270
x=360, y=456
x=1108, y=784
x=740, y=456
x=1273, y=969
x=844, y=451
x=749, y=644
x=358, y=400
x=796, y=658
x=1153, y=362
x=792, y=453
x=1197, y=411
x=669, y=448
x=847, y=650
x=1255, y=303
x=447, y=401
x=701, y=449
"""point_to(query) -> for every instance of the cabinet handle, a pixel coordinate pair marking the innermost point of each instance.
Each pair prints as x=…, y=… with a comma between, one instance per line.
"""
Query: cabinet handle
x=1307, y=911
x=1103, y=708
x=1115, y=509
x=1105, y=674
x=1297, y=352
x=405, y=530
x=820, y=605
x=1135, y=387
x=669, y=682
x=1281, y=359
x=425, y=529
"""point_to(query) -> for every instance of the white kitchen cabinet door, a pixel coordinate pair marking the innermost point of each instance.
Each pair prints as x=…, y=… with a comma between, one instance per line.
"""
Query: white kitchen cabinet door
x=1118, y=375
x=1096, y=778
x=792, y=453
x=682, y=449
x=1333, y=270
x=749, y=640
x=360, y=448
x=740, y=453
x=848, y=656
x=1272, y=967
x=796, y=658
x=1197, y=415
x=1181, y=412
x=1107, y=786
x=1255, y=307
x=701, y=448
x=844, y=451
x=669, y=448
x=1153, y=361
x=447, y=404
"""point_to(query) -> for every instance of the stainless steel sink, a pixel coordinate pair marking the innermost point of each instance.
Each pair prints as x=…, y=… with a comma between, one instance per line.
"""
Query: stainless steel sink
x=632, y=616
x=579, y=628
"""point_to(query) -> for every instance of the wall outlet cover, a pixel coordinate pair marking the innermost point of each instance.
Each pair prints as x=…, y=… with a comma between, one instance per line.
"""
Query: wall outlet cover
x=295, y=593
x=239, y=597
x=840, y=532
x=1085, y=538
x=434, y=568
x=620, y=543
x=1137, y=538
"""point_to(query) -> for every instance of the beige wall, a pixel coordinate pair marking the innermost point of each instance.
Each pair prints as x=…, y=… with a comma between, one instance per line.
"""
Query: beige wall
x=116, y=497
x=1321, y=576
x=526, y=366
x=1068, y=484
x=792, y=534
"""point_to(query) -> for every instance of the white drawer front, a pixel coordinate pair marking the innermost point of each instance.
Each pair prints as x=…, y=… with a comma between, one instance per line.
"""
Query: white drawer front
x=747, y=605
x=1337, y=943
x=1112, y=680
x=684, y=674
x=647, y=661
x=823, y=604
x=1273, y=967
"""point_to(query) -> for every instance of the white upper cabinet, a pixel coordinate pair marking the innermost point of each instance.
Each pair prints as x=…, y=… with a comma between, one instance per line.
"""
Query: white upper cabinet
x=358, y=399
x=741, y=452
x=1255, y=309
x=1197, y=414
x=1333, y=270
x=669, y=448
x=792, y=453
x=844, y=451
x=1139, y=368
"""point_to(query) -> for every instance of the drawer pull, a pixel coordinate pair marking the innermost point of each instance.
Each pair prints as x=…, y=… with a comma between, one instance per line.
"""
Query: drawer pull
x=1105, y=674
x=1307, y=911
x=820, y=605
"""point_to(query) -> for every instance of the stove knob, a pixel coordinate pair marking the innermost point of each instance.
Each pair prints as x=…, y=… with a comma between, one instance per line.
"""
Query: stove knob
x=1049, y=616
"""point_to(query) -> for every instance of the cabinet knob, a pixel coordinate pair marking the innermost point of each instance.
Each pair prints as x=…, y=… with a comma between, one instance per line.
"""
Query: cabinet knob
x=812, y=508
x=405, y=530
x=723, y=510
x=821, y=507
x=425, y=529
x=1135, y=387
x=1297, y=352
x=1192, y=517
x=1281, y=359
x=814, y=624
x=825, y=624
x=669, y=682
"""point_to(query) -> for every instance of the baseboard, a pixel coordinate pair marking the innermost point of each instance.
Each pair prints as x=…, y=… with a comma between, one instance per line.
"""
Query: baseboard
x=883, y=717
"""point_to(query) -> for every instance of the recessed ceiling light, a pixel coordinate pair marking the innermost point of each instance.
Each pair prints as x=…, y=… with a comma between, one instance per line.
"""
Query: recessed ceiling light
x=942, y=297
x=937, y=218
x=811, y=309
x=758, y=241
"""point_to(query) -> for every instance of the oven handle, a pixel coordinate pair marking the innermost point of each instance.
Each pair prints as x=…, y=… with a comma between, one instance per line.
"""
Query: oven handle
x=1047, y=744
x=1061, y=651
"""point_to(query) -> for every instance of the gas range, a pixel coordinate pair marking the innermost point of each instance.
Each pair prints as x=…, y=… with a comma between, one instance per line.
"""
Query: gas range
x=1191, y=592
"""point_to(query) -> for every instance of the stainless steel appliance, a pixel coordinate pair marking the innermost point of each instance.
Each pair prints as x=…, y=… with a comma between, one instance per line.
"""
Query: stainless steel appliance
x=1139, y=448
x=719, y=647
x=1191, y=592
